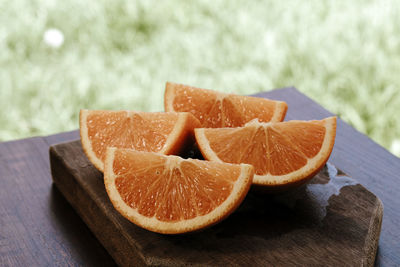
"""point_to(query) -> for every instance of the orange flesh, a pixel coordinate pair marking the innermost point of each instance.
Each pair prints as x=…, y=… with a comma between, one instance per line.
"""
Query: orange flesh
x=242, y=110
x=172, y=190
x=202, y=104
x=277, y=149
x=141, y=131
x=307, y=138
x=216, y=110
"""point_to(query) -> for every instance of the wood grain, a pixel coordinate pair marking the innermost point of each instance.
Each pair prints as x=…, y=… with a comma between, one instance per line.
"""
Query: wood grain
x=37, y=225
x=39, y=228
x=333, y=220
x=364, y=160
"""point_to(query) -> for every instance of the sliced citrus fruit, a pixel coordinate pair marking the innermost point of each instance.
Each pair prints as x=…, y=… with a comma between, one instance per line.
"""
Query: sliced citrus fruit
x=283, y=154
x=172, y=195
x=215, y=109
x=163, y=132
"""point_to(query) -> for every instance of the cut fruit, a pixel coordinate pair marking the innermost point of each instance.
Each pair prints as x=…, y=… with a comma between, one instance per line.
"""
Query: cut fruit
x=215, y=109
x=284, y=154
x=162, y=132
x=171, y=195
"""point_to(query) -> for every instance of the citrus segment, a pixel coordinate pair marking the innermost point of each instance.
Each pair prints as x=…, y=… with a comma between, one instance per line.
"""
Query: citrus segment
x=171, y=195
x=215, y=109
x=282, y=153
x=163, y=132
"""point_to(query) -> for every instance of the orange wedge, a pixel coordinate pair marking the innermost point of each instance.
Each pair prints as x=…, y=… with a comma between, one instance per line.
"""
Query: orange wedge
x=214, y=109
x=171, y=195
x=165, y=133
x=283, y=154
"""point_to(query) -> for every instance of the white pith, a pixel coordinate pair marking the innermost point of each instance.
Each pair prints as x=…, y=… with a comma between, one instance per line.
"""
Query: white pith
x=175, y=133
x=170, y=92
x=86, y=143
x=268, y=179
x=279, y=107
x=152, y=223
x=98, y=163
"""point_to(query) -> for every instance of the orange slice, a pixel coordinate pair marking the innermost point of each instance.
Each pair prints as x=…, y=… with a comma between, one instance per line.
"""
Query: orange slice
x=215, y=109
x=166, y=133
x=171, y=195
x=283, y=154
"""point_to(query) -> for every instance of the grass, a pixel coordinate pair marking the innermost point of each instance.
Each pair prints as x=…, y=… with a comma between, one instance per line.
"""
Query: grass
x=118, y=55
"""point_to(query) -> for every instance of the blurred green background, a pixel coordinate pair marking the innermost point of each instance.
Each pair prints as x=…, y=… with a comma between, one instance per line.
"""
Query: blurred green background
x=119, y=54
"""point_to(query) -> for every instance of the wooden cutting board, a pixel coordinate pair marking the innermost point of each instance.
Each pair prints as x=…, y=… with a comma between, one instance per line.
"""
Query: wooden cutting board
x=333, y=220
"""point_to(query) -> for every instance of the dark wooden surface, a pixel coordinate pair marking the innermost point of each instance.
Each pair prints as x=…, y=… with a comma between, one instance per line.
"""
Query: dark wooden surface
x=38, y=227
x=364, y=160
x=332, y=220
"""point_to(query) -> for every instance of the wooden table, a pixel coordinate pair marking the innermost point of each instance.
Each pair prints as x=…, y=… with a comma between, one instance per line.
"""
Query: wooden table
x=39, y=228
